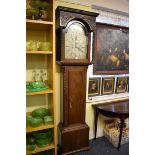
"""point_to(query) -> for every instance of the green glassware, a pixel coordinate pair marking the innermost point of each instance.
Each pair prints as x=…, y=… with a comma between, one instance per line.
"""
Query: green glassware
x=36, y=86
x=48, y=119
x=42, y=134
x=43, y=142
x=28, y=121
x=36, y=121
x=34, y=45
x=28, y=46
x=45, y=46
x=31, y=147
x=40, y=112
x=30, y=140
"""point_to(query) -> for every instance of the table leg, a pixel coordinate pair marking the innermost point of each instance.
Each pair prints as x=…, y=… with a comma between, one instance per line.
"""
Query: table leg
x=121, y=131
x=95, y=121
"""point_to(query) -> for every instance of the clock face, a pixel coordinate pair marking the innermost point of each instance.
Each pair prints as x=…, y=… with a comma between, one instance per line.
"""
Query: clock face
x=76, y=42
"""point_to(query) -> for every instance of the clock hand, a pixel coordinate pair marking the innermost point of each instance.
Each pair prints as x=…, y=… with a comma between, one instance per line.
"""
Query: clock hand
x=79, y=49
x=76, y=42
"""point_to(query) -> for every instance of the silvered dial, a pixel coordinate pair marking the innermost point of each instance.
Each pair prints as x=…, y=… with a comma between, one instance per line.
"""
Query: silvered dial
x=76, y=42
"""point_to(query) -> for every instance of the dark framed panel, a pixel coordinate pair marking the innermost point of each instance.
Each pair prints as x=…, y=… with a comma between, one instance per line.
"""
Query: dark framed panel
x=87, y=33
x=121, y=84
x=61, y=48
x=69, y=40
x=94, y=87
x=128, y=85
x=112, y=50
x=108, y=85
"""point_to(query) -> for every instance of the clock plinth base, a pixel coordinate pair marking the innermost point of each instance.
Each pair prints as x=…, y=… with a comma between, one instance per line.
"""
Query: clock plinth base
x=74, y=138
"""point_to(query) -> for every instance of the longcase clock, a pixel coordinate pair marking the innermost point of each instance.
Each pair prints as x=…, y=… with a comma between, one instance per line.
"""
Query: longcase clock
x=75, y=43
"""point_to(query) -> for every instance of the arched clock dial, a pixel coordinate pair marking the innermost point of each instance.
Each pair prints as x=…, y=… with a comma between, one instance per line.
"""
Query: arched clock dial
x=76, y=41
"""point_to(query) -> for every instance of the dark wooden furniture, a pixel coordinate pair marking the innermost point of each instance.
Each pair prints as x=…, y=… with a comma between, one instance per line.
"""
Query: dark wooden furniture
x=119, y=109
x=73, y=131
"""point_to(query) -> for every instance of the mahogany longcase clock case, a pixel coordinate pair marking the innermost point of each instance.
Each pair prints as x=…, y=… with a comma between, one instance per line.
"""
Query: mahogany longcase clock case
x=75, y=42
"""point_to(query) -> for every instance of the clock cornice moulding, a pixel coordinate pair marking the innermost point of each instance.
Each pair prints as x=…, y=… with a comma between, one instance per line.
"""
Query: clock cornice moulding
x=66, y=14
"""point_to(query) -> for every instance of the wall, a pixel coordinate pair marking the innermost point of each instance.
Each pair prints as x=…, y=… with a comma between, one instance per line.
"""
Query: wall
x=121, y=5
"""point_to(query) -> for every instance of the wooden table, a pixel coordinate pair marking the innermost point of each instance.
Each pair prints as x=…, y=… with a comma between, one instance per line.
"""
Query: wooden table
x=119, y=109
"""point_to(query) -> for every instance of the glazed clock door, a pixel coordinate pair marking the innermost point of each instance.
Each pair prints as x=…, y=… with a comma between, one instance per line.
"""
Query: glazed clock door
x=75, y=89
x=76, y=41
x=75, y=44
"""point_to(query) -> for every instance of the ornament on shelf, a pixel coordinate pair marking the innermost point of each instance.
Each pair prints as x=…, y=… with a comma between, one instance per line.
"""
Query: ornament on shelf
x=37, y=9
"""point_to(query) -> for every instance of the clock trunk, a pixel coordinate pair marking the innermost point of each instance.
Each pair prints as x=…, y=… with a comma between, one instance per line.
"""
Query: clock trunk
x=74, y=98
x=74, y=132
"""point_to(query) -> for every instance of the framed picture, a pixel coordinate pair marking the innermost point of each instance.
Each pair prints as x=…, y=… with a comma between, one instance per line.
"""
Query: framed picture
x=112, y=50
x=108, y=85
x=128, y=85
x=121, y=84
x=94, y=87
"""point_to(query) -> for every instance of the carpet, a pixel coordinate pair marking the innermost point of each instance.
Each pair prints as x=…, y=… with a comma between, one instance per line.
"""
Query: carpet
x=101, y=146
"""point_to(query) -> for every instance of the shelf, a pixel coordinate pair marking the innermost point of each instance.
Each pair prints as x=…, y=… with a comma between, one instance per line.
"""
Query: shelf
x=47, y=91
x=38, y=24
x=39, y=52
x=40, y=149
x=42, y=127
x=42, y=31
